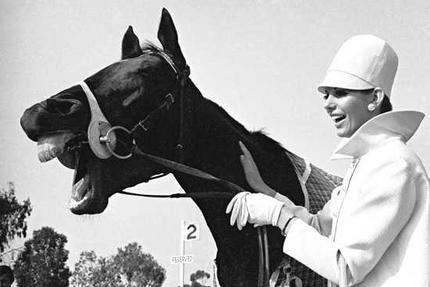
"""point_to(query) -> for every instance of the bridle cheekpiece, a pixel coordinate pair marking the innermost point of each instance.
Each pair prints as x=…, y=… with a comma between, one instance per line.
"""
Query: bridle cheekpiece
x=102, y=137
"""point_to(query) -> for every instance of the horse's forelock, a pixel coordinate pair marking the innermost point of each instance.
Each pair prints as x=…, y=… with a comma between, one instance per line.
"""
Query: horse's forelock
x=150, y=47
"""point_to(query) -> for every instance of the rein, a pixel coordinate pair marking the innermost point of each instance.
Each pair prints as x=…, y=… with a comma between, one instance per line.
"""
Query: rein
x=185, y=169
x=176, y=166
x=263, y=244
x=102, y=138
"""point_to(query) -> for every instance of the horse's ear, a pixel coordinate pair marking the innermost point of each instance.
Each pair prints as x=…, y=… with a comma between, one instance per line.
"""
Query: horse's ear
x=130, y=45
x=168, y=37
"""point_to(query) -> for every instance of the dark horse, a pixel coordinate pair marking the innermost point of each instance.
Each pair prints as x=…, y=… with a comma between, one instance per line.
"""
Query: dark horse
x=127, y=91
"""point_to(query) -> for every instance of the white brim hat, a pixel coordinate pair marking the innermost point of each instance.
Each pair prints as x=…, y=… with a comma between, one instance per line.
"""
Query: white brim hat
x=340, y=79
x=362, y=62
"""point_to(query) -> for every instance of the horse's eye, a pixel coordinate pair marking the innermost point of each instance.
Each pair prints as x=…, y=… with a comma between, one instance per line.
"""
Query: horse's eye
x=61, y=106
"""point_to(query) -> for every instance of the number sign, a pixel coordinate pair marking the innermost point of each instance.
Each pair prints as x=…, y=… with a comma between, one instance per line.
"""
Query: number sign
x=191, y=231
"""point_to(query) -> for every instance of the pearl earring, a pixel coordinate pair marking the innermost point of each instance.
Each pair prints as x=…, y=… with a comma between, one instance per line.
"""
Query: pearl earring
x=371, y=107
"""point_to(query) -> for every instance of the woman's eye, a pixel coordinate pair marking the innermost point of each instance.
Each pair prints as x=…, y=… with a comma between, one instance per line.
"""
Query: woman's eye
x=340, y=93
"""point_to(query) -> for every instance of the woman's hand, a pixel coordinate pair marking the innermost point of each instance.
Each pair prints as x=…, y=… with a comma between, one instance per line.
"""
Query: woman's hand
x=255, y=208
x=252, y=174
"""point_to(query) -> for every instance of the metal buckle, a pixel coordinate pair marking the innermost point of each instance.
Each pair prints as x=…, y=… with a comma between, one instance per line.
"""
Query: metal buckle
x=111, y=140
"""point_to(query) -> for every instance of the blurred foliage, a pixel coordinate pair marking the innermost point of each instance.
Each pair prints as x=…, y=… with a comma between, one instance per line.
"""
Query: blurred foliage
x=91, y=271
x=199, y=278
x=42, y=262
x=13, y=216
x=129, y=267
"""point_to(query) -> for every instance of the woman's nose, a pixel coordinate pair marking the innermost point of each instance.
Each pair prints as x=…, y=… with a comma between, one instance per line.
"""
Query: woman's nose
x=329, y=104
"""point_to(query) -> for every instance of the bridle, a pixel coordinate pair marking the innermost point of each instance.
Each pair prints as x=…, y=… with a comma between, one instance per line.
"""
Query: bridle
x=102, y=136
x=102, y=139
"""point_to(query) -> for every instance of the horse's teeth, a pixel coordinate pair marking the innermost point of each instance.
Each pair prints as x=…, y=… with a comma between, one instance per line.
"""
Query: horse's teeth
x=80, y=188
x=51, y=146
x=47, y=151
x=77, y=189
x=73, y=203
x=79, y=194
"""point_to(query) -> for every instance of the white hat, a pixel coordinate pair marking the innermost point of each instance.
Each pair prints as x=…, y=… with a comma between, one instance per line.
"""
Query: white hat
x=362, y=62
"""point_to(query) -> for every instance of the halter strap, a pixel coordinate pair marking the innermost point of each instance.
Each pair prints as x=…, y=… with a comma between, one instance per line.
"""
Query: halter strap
x=96, y=112
x=98, y=126
x=177, y=95
x=169, y=60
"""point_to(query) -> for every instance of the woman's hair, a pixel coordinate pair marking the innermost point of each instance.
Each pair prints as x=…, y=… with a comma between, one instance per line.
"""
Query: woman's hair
x=386, y=105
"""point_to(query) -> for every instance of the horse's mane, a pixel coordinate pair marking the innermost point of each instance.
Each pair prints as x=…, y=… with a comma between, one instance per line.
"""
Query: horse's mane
x=270, y=144
x=259, y=137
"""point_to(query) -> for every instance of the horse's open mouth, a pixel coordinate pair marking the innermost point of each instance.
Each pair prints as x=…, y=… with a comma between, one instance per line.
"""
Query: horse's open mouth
x=82, y=191
x=58, y=146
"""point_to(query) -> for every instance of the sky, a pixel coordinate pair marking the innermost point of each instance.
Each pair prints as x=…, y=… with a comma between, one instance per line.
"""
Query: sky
x=260, y=60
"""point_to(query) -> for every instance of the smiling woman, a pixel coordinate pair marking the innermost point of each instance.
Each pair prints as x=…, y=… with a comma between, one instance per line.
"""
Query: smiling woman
x=375, y=227
x=349, y=108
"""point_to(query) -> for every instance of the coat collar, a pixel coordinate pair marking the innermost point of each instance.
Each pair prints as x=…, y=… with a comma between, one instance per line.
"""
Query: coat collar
x=377, y=130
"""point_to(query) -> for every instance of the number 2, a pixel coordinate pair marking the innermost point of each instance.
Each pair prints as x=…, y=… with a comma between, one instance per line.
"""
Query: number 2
x=190, y=235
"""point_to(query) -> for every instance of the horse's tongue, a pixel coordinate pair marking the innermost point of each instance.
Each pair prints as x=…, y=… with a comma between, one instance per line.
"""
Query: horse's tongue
x=50, y=146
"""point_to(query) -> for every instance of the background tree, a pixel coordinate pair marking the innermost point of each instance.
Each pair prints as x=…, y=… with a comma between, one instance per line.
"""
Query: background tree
x=129, y=267
x=93, y=271
x=42, y=262
x=139, y=269
x=12, y=216
x=198, y=279
x=107, y=273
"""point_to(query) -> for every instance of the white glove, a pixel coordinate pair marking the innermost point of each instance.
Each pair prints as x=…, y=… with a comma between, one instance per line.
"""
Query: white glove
x=238, y=209
x=255, y=208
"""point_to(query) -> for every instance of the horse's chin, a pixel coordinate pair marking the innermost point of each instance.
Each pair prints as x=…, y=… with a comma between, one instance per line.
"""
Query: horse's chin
x=87, y=206
x=85, y=198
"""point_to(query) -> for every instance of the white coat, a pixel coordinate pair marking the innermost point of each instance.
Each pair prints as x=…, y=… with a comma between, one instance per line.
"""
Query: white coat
x=375, y=230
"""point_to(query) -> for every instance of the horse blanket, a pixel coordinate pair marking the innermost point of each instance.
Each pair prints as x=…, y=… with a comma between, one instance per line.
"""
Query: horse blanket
x=317, y=186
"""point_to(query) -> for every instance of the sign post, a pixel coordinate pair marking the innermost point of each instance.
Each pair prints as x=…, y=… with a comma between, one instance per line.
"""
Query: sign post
x=181, y=267
x=189, y=232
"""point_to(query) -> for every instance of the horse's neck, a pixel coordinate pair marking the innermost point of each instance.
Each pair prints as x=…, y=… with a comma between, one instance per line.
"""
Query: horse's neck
x=215, y=149
x=216, y=142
